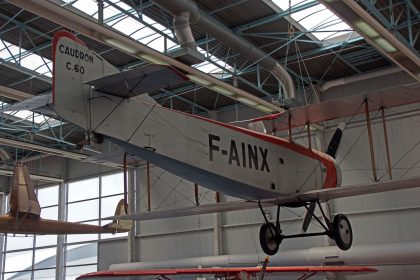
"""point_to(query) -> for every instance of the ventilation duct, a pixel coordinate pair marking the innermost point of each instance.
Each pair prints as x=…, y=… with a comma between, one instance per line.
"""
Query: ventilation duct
x=357, y=78
x=186, y=12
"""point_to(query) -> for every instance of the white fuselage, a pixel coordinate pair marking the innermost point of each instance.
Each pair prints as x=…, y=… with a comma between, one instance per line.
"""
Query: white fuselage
x=219, y=156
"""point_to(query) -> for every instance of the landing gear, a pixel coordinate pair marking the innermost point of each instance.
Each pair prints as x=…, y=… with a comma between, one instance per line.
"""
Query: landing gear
x=270, y=239
x=270, y=234
x=339, y=230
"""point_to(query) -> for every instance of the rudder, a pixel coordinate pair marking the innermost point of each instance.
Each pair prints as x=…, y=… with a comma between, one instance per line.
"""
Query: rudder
x=75, y=64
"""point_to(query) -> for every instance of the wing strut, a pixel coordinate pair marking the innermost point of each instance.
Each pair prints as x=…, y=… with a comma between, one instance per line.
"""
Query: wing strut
x=125, y=184
x=372, y=152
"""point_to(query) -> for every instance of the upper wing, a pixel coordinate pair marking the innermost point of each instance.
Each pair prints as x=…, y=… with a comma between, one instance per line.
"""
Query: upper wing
x=321, y=195
x=138, y=81
x=225, y=271
x=334, y=109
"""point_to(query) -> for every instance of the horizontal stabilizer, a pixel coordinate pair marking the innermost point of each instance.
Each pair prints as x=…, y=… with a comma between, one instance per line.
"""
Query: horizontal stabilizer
x=138, y=81
x=37, y=104
x=321, y=195
x=116, y=156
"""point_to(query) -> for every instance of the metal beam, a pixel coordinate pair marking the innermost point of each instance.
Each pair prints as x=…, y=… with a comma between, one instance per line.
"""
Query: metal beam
x=388, y=25
x=14, y=94
x=117, y=40
x=26, y=71
x=377, y=35
x=41, y=149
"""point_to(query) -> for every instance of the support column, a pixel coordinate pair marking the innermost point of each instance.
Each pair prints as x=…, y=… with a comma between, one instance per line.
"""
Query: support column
x=149, y=198
x=131, y=238
x=61, y=239
x=140, y=183
x=100, y=12
x=2, y=212
x=218, y=237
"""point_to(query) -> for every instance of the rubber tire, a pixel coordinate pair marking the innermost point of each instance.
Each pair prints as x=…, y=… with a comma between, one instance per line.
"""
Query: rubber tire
x=269, y=243
x=342, y=225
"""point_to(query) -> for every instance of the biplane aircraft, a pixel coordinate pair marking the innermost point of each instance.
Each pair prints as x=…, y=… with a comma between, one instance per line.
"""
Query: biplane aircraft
x=24, y=215
x=261, y=169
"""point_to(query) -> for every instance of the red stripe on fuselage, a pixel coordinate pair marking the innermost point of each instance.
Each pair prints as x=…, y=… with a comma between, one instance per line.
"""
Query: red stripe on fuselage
x=331, y=178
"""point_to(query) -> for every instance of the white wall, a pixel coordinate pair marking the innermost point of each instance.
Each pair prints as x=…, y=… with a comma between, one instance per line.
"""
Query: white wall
x=376, y=219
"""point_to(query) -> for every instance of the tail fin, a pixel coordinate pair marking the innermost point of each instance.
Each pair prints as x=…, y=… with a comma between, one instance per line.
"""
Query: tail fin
x=74, y=65
x=23, y=199
x=120, y=225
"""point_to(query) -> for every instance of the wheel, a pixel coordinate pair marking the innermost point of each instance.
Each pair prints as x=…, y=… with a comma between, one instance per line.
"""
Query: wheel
x=269, y=243
x=342, y=232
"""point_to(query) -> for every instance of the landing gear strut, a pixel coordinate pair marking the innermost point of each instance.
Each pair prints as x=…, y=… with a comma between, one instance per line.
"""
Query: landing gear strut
x=339, y=230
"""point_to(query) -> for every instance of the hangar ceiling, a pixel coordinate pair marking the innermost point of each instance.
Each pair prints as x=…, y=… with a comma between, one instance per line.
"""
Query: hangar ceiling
x=309, y=41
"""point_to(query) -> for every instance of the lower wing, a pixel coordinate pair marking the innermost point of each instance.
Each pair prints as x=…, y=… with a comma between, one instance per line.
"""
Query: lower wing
x=317, y=195
x=308, y=271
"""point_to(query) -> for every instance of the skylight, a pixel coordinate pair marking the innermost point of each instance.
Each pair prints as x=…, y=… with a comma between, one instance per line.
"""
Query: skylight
x=318, y=19
x=25, y=58
x=143, y=33
x=128, y=25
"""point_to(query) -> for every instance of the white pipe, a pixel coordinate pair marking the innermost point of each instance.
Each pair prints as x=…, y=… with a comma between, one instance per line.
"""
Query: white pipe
x=358, y=78
x=183, y=31
x=372, y=254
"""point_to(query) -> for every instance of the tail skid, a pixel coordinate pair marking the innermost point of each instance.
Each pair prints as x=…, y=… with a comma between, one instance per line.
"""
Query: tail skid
x=119, y=225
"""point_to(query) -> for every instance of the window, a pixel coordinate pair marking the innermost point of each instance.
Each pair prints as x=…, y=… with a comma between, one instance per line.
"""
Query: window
x=88, y=202
x=28, y=257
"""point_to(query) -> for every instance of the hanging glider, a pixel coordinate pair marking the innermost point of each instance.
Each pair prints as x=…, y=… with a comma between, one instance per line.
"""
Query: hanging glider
x=24, y=215
x=262, y=169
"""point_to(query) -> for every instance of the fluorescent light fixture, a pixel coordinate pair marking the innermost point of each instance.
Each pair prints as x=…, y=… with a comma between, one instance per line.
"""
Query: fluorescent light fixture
x=199, y=80
x=247, y=101
x=223, y=91
x=377, y=35
x=120, y=45
x=153, y=59
x=265, y=109
x=366, y=29
x=385, y=45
